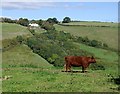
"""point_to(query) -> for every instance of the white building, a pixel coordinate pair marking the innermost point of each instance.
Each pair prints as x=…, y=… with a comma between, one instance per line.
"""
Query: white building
x=33, y=25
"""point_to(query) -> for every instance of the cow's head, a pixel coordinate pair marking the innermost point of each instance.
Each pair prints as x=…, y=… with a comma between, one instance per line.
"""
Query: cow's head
x=92, y=60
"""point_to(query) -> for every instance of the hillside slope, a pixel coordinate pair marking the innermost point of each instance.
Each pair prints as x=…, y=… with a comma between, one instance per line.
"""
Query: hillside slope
x=30, y=73
x=108, y=35
x=22, y=56
x=10, y=30
x=93, y=23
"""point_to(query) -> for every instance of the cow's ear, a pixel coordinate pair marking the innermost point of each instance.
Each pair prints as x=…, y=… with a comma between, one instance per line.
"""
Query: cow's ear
x=92, y=57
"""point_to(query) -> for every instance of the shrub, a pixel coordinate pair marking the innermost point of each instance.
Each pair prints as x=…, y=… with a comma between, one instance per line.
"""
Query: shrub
x=19, y=39
x=105, y=45
x=54, y=48
x=97, y=66
x=115, y=80
x=80, y=39
x=47, y=26
x=94, y=43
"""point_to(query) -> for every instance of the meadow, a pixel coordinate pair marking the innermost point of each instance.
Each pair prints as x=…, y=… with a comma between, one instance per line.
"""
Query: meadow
x=29, y=72
x=93, y=23
x=12, y=30
x=108, y=35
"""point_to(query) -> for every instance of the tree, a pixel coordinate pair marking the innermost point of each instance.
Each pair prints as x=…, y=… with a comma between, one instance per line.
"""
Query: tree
x=47, y=26
x=8, y=20
x=66, y=20
x=40, y=22
x=33, y=21
x=52, y=20
x=55, y=20
x=23, y=22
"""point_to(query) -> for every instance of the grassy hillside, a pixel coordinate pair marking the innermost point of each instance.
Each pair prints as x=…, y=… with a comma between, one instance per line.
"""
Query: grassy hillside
x=108, y=35
x=12, y=30
x=22, y=56
x=92, y=23
x=30, y=72
x=104, y=57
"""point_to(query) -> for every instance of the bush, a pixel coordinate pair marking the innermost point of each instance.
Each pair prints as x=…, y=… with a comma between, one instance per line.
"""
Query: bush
x=23, y=21
x=116, y=80
x=97, y=66
x=47, y=26
x=94, y=43
x=19, y=39
x=105, y=45
x=54, y=46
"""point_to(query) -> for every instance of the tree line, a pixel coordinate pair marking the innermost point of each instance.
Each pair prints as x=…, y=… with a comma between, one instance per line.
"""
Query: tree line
x=25, y=21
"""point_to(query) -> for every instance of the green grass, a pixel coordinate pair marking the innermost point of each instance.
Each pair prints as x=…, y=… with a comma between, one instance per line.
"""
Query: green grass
x=108, y=35
x=31, y=73
x=39, y=30
x=12, y=30
x=104, y=57
x=22, y=56
x=90, y=23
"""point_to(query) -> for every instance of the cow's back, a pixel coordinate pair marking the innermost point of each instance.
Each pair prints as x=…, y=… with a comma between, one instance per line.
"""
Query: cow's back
x=74, y=60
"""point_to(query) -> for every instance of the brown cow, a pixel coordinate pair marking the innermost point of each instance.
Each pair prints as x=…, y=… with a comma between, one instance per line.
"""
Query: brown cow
x=77, y=61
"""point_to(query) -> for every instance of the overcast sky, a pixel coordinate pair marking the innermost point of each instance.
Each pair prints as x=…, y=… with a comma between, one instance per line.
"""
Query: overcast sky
x=85, y=11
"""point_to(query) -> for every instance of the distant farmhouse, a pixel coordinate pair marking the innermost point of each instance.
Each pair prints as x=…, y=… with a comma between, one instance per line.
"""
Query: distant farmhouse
x=33, y=25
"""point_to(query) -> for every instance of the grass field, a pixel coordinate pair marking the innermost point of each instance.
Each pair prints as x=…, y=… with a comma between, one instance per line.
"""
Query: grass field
x=93, y=23
x=108, y=35
x=105, y=57
x=39, y=30
x=12, y=30
x=30, y=72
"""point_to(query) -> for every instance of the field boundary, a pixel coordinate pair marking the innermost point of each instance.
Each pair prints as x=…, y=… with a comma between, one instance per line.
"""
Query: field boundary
x=87, y=25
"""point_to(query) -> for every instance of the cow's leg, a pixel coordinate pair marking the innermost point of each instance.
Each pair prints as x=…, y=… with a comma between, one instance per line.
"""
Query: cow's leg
x=83, y=69
x=67, y=67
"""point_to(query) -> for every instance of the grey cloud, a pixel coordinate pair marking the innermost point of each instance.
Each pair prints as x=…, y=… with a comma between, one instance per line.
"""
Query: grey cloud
x=38, y=5
x=26, y=5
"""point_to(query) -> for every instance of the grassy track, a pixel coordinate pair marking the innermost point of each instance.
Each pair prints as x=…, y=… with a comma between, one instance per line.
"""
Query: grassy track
x=12, y=30
x=108, y=35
